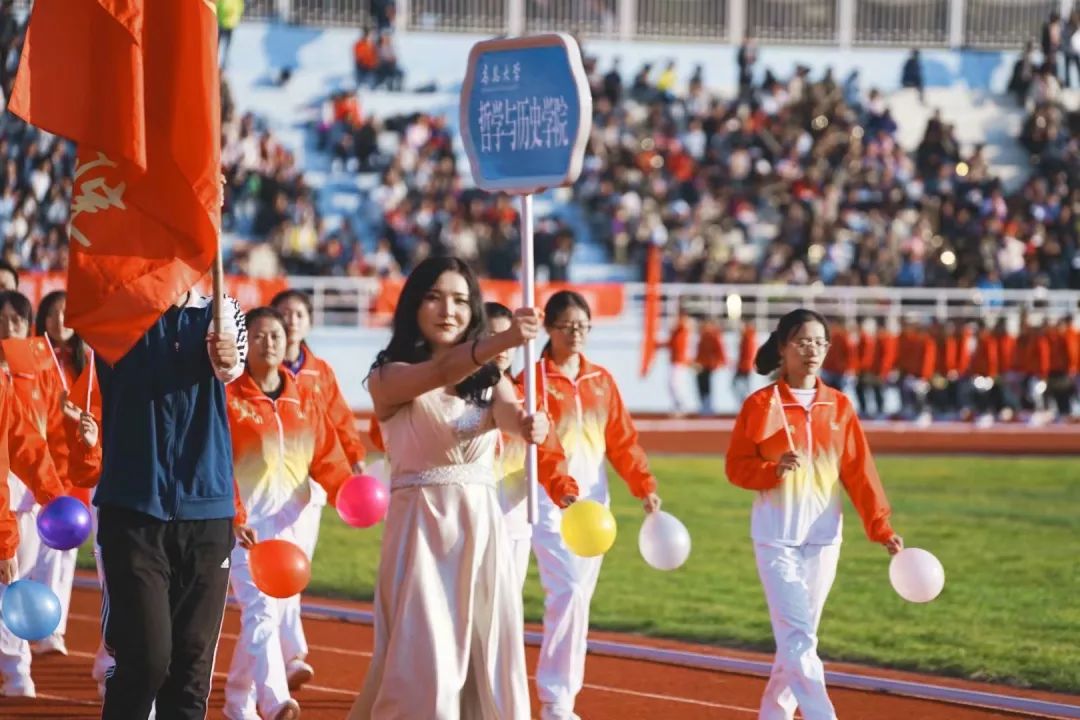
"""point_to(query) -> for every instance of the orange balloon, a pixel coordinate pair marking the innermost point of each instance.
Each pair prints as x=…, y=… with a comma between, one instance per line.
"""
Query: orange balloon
x=279, y=568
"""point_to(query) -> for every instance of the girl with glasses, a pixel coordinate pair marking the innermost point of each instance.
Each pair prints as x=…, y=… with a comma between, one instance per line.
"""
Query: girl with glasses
x=593, y=427
x=796, y=442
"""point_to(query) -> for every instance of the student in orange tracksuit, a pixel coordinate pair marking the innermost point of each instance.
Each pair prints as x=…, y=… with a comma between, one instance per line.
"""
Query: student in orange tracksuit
x=710, y=358
x=510, y=460
x=984, y=371
x=280, y=435
x=315, y=375
x=842, y=360
x=748, y=345
x=593, y=427
x=678, y=346
x=23, y=451
x=797, y=442
x=56, y=568
x=916, y=359
x=1064, y=352
x=942, y=395
x=1036, y=362
x=40, y=393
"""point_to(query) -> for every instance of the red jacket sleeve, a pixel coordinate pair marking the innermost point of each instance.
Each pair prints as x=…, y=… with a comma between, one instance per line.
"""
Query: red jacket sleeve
x=550, y=456
x=860, y=478
x=341, y=418
x=329, y=465
x=84, y=463
x=28, y=453
x=623, y=449
x=744, y=465
x=55, y=435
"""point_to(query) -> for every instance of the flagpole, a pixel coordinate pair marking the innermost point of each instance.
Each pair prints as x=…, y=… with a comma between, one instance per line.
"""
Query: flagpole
x=218, y=275
x=528, y=299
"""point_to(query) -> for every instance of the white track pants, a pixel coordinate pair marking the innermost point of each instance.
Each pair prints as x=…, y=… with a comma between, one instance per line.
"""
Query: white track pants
x=15, y=652
x=306, y=529
x=569, y=582
x=56, y=570
x=797, y=582
x=257, y=673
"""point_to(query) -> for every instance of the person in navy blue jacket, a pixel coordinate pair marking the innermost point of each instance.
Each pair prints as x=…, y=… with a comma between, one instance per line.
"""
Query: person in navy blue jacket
x=166, y=509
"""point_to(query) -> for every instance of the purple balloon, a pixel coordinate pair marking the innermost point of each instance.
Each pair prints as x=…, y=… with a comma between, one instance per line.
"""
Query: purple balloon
x=64, y=523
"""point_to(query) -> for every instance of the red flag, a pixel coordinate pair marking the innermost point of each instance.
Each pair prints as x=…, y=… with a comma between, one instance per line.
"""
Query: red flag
x=652, y=308
x=135, y=84
x=28, y=356
x=84, y=392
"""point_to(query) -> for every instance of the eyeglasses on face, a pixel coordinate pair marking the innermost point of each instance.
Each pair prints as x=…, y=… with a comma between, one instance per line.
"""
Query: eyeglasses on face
x=571, y=328
x=807, y=345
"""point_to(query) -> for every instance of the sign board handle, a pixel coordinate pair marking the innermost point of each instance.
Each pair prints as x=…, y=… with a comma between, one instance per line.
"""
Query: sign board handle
x=528, y=299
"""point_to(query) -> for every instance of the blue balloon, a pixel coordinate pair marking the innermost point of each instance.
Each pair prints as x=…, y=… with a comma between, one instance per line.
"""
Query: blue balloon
x=64, y=523
x=30, y=610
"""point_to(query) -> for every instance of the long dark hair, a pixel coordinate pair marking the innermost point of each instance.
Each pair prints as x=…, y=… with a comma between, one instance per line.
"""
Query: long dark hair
x=767, y=359
x=75, y=343
x=559, y=303
x=407, y=343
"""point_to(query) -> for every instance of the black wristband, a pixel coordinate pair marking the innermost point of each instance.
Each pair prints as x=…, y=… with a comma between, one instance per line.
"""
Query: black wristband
x=472, y=353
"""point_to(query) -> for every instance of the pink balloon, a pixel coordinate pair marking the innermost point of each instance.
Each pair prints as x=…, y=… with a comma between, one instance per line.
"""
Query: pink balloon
x=362, y=501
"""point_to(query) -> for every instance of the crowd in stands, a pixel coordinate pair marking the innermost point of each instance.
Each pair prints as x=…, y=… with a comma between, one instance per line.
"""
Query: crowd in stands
x=1017, y=368
x=796, y=179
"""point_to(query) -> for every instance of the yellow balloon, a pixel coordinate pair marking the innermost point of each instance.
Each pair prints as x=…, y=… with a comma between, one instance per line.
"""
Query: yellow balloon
x=588, y=528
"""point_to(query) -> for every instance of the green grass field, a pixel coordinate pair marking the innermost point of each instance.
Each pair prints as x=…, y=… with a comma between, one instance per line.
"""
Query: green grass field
x=1007, y=531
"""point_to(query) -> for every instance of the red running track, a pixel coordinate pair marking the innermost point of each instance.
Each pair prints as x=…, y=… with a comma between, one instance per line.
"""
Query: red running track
x=616, y=689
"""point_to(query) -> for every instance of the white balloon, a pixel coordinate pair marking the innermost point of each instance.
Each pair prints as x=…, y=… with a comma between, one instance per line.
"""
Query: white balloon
x=916, y=575
x=664, y=542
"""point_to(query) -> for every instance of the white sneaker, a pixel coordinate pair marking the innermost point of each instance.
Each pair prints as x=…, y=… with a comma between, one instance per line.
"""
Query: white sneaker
x=18, y=687
x=298, y=673
x=288, y=710
x=52, y=645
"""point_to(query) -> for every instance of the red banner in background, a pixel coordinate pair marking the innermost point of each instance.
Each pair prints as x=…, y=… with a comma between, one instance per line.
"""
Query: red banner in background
x=605, y=299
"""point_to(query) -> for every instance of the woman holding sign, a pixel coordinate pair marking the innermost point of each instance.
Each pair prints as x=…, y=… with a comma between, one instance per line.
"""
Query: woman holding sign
x=796, y=442
x=593, y=427
x=448, y=615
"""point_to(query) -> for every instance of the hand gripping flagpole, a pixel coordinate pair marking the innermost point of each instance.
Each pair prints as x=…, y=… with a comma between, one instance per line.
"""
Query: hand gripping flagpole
x=528, y=299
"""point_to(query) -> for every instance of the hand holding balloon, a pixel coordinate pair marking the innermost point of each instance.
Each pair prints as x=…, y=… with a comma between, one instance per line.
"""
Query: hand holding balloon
x=9, y=570
x=245, y=536
x=894, y=544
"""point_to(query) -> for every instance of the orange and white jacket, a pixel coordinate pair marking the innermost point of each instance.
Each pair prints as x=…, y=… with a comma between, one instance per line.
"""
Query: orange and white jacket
x=276, y=445
x=316, y=376
x=551, y=467
x=593, y=426
x=804, y=506
x=39, y=394
x=22, y=451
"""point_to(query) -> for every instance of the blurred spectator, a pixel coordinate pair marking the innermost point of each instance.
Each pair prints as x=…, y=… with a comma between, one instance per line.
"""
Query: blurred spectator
x=912, y=76
x=366, y=58
x=229, y=13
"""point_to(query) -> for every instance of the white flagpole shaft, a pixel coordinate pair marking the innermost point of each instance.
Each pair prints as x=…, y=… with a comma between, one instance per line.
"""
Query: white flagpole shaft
x=528, y=299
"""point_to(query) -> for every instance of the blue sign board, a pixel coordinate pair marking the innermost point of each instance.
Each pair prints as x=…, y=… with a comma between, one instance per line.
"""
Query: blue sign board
x=526, y=112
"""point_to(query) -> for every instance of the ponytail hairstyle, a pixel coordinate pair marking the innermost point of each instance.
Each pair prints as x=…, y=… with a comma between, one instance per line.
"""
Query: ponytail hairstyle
x=75, y=343
x=767, y=359
x=559, y=303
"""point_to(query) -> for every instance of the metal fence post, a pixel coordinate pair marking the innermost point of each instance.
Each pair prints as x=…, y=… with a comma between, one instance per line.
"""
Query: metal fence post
x=515, y=17
x=736, y=20
x=845, y=23
x=627, y=20
x=957, y=11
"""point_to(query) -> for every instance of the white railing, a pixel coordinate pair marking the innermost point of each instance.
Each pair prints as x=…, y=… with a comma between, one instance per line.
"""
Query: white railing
x=918, y=23
x=351, y=302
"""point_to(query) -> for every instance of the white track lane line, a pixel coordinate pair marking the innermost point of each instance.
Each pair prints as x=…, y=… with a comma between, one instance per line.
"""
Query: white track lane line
x=361, y=653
